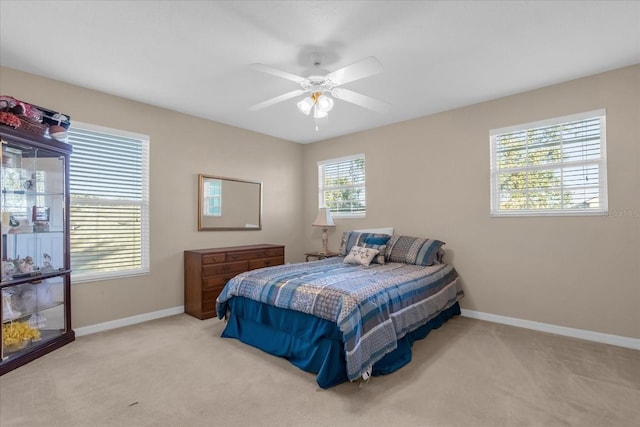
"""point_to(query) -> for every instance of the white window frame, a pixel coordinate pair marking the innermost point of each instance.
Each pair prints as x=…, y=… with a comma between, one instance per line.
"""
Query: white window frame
x=600, y=163
x=323, y=189
x=143, y=202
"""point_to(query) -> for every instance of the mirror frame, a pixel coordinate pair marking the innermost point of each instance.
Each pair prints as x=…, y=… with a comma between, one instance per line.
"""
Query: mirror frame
x=258, y=203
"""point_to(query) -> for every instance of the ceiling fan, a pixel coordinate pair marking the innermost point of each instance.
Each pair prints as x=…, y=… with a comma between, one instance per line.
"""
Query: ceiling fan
x=321, y=88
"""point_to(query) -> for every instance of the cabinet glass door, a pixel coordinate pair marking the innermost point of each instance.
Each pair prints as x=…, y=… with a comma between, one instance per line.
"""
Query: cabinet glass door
x=33, y=247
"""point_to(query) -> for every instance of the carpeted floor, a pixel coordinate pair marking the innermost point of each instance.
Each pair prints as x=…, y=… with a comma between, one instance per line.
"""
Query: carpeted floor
x=177, y=371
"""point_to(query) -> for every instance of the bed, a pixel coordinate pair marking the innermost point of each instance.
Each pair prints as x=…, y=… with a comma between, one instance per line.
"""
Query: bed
x=346, y=317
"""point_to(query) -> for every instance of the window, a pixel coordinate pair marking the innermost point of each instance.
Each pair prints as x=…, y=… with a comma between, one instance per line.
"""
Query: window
x=109, y=186
x=553, y=167
x=341, y=185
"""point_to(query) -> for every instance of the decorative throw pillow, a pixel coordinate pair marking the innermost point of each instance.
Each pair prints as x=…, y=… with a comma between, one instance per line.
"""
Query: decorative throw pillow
x=354, y=238
x=360, y=255
x=377, y=240
x=382, y=250
x=414, y=250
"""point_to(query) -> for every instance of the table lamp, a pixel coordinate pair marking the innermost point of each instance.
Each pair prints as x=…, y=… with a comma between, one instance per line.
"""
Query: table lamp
x=325, y=221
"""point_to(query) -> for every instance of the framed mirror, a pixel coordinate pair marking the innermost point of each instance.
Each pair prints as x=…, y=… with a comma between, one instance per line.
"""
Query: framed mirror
x=228, y=204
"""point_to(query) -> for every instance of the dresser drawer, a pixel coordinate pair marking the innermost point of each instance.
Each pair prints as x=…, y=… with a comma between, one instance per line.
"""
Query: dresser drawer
x=225, y=268
x=276, y=252
x=209, y=300
x=216, y=282
x=214, y=258
x=237, y=256
x=265, y=262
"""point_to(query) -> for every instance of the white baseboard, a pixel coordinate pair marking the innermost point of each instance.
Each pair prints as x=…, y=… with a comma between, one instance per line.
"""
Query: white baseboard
x=616, y=340
x=127, y=321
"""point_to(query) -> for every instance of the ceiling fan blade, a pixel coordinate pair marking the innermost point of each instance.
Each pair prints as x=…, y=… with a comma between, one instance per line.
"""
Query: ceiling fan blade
x=358, y=70
x=276, y=72
x=361, y=100
x=275, y=100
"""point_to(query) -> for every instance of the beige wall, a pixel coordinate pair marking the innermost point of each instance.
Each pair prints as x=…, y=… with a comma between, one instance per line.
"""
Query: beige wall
x=425, y=177
x=181, y=148
x=429, y=177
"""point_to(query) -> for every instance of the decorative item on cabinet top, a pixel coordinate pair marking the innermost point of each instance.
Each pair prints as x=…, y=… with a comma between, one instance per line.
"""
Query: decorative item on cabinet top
x=32, y=118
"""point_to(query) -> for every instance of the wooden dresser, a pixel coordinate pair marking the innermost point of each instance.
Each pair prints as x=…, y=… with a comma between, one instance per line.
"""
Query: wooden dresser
x=206, y=271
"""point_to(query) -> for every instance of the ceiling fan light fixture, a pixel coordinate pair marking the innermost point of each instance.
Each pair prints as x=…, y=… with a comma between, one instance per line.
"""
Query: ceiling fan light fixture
x=319, y=114
x=325, y=104
x=306, y=105
x=322, y=89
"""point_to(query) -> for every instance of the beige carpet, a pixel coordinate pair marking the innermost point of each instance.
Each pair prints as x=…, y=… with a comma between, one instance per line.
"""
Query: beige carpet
x=177, y=371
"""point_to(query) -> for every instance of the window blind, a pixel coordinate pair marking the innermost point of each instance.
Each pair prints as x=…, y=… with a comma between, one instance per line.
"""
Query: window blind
x=555, y=167
x=342, y=185
x=109, y=188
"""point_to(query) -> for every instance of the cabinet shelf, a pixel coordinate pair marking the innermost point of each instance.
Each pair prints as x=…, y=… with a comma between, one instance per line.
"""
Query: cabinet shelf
x=22, y=316
x=46, y=335
x=34, y=233
x=28, y=193
x=31, y=277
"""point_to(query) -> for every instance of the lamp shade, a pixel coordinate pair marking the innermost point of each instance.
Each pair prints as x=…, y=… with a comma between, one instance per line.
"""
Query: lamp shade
x=319, y=114
x=324, y=219
x=305, y=105
x=325, y=104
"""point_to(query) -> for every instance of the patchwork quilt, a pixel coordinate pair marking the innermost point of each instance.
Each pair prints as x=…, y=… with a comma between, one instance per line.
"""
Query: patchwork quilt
x=373, y=305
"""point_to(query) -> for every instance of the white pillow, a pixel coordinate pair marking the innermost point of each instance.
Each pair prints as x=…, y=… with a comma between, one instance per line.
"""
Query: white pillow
x=360, y=255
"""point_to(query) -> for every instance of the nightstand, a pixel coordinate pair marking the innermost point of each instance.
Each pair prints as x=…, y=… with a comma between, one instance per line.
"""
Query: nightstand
x=320, y=255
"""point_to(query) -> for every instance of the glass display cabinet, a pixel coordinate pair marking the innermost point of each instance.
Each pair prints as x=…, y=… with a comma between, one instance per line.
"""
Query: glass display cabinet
x=35, y=286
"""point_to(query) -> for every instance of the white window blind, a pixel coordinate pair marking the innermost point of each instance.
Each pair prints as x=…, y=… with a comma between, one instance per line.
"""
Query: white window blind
x=341, y=185
x=109, y=186
x=553, y=167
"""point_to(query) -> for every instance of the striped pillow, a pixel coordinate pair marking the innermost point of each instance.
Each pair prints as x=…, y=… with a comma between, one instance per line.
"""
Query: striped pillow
x=414, y=250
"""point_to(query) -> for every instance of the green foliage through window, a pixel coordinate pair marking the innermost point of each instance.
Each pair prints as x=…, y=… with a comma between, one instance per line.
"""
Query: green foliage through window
x=341, y=185
x=557, y=166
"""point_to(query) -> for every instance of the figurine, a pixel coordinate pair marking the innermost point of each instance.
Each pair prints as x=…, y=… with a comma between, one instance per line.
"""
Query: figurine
x=8, y=268
x=30, y=183
x=8, y=313
x=26, y=265
x=13, y=222
x=46, y=265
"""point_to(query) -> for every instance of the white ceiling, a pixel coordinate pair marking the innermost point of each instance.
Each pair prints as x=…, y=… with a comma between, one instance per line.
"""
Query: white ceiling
x=193, y=56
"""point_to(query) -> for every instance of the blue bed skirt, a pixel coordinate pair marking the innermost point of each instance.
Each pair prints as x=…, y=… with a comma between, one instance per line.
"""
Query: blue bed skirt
x=311, y=343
